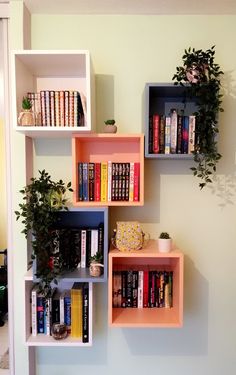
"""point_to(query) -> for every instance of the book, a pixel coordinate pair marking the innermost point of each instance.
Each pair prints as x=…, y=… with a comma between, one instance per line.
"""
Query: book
x=173, y=130
x=40, y=313
x=34, y=292
x=156, y=120
x=131, y=182
x=52, y=108
x=97, y=187
x=104, y=176
x=48, y=313
x=85, y=313
x=145, y=288
x=66, y=103
x=167, y=134
x=91, y=180
x=85, y=182
x=162, y=135
x=140, y=289
x=57, y=108
x=179, y=134
x=150, y=136
x=136, y=181
x=83, y=247
x=191, y=134
x=80, y=181
x=76, y=310
x=109, y=181
x=185, y=135
x=94, y=241
x=56, y=307
x=67, y=309
x=62, y=107
x=71, y=108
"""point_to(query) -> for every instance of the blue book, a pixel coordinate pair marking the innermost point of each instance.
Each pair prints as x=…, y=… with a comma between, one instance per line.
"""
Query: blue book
x=85, y=182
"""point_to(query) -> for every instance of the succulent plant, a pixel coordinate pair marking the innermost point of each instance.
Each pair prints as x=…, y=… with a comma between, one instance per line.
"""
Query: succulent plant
x=26, y=103
x=164, y=235
x=98, y=257
x=110, y=122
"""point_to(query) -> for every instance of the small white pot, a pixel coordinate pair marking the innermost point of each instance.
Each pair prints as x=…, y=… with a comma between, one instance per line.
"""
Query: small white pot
x=110, y=129
x=164, y=245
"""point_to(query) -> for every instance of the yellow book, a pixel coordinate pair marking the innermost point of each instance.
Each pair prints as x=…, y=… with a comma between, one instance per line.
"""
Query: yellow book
x=76, y=310
x=104, y=178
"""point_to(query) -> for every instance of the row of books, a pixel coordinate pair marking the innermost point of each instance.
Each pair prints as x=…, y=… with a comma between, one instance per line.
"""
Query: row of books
x=58, y=108
x=142, y=288
x=108, y=181
x=75, y=246
x=174, y=134
x=70, y=306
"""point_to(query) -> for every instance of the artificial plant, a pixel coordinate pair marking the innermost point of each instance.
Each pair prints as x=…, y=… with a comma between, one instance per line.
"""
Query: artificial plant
x=42, y=199
x=200, y=76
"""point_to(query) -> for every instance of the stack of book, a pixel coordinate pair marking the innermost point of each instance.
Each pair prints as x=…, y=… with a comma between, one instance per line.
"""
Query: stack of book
x=174, y=134
x=142, y=288
x=69, y=306
x=58, y=108
x=108, y=181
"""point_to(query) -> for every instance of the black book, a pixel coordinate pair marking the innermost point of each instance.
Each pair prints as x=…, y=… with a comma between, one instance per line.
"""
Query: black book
x=85, y=313
x=129, y=289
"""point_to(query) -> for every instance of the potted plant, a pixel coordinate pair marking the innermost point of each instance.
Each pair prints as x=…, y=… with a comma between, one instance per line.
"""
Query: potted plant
x=200, y=76
x=164, y=242
x=110, y=126
x=42, y=199
x=26, y=116
x=96, y=266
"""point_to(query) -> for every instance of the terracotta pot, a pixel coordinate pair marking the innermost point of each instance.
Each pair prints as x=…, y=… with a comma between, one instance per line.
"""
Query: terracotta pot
x=26, y=118
x=110, y=129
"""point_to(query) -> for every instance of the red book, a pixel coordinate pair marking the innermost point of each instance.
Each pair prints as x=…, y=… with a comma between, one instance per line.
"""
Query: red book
x=145, y=288
x=156, y=121
x=97, y=185
x=136, y=181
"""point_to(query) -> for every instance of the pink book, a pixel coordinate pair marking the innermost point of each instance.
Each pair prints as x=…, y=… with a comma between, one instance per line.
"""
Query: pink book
x=97, y=187
x=136, y=181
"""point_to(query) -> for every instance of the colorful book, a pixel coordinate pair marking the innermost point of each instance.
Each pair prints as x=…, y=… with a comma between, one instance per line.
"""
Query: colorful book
x=167, y=134
x=173, y=131
x=191, y=134
x=156, y=120
x=104, y=177
x=136, y=181
x=76, y=310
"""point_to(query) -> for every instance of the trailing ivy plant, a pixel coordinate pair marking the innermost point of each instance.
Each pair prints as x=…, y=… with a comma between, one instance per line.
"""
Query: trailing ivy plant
x=200, y=76
x=42, y=199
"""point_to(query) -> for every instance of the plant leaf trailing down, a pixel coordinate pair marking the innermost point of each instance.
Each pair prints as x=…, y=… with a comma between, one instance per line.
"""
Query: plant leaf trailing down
x=42, y=198
x=200, y=76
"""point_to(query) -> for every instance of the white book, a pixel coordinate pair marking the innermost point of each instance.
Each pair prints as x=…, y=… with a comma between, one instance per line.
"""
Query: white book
x=62, y=308
x=34, y=310
x=94, y=242
x=48, y=313
x=140, y=289
x=191, y=134
x=173, y=131
x=83, y=248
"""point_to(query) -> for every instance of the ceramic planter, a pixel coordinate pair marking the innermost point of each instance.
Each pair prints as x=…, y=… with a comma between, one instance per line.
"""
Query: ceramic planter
x=164, y=245
x=110, y=129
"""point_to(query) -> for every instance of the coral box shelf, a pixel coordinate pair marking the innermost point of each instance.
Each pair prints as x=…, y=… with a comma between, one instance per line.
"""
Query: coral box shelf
x=147, y=317
x=97, y=148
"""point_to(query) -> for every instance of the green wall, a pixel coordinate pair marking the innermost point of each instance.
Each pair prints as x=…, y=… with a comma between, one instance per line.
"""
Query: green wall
x=127, y=52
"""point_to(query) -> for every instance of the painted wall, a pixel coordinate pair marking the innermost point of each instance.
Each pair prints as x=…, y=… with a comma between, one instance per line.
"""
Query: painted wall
x=127, y=52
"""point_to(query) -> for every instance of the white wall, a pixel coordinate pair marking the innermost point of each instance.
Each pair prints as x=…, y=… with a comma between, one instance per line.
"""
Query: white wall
x=127, y=52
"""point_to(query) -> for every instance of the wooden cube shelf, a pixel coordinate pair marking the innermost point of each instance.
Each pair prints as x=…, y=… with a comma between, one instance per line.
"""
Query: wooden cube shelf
x=36, y=70
x=116, y=148
x=147, y=317
x=160, y=98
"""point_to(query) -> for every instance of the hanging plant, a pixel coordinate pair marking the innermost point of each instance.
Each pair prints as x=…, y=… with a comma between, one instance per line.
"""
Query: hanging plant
x=200, y=76
x=42, y=199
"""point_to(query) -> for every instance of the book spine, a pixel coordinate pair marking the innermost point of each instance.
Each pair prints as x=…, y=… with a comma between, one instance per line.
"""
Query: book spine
x=150, y=136
x=40, y=313
x=109, y=180
x=123, y=288
x=135, y=289
x=97, y=188
x=85, y=313
x=167, y=135
x=62, y=308
x=129, y=289
x=76, y=311
x=62, y=108
x=71, y=108
x=47, y=108
x=67, y=311
x=91, y=181
x=145, y=288
x=52, y=107
x=66, y=94
x=94, y=242
x=136, y=181
x=156, y=121
x=43, y=107
x=185, y=135
x=162, y=135
x=191, y=140
x=34, y=311
x=85, y=182
x=104, y=175
x=80, y=181
x=83, y=248
x=140, y=289
x=80, y=111
x=179, y=134
x=173, y=131
x=131, y=182
x=88, y=246
x=120, y=181
x=57, y=108
x=101, y=238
